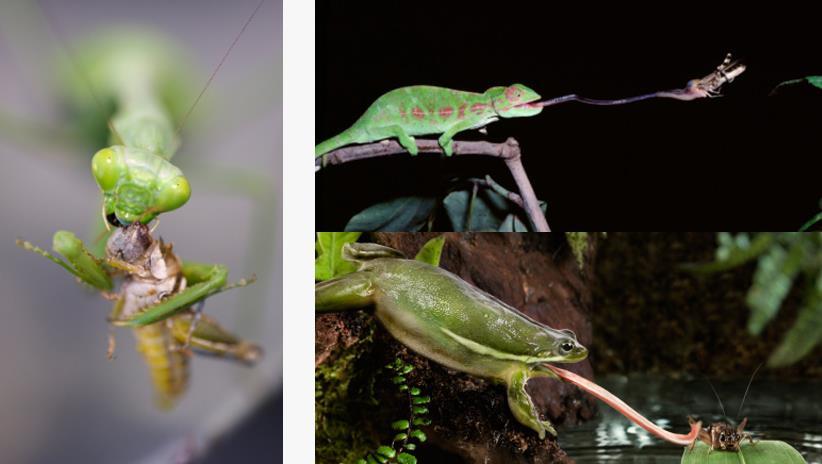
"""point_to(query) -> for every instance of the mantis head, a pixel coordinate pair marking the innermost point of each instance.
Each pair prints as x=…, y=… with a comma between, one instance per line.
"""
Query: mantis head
x=515, y=101
x=137, y=185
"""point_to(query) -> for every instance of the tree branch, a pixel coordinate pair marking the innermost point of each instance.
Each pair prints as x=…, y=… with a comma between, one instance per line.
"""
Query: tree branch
x=509, y=151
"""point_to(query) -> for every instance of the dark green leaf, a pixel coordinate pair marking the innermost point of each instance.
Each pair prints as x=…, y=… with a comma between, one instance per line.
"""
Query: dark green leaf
x=806, y=331
x=372, y=459
x=387, y=451
x=400, y=436
x=400, y=214
x=733, y=251
x=419, y=435
x=484, y=213
x=419, y=410
x=432, y=250
x=406, y=369
x=400, y=425
x=329, y=262
x=415, y=391
x=405, y=458
x=512, y=223
x=421, y=400
x=422, y=421
x=398, y=379
x=773, y=279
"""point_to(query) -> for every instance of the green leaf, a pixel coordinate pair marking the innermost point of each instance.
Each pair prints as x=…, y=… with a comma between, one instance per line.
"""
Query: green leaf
x=362, y=461
x=410, y=446
x=415, y=391
x=422, y=421
x=762, y=452
x=773, y=279
x=406, y=369
x=512, y=223
x=387, y=451
x=400, y=425
x=329, y=262
x=419, y=435
x=400, y=436
x=398, y=379
x=432, y=250
x=483, y=212
x=807, y=226
x=806, y=331
x=372, y=459
x=405, y=458
x=400, y=214
x=815, y=81
x=733, y=251
x=402, y=387
x=419, y=410
x=421, y=400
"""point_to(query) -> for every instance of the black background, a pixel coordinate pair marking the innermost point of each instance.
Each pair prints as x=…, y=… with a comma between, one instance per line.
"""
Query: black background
x=743, y=161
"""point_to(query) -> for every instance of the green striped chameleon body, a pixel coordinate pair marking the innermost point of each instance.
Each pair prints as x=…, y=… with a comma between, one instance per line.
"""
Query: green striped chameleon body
x=427, y=110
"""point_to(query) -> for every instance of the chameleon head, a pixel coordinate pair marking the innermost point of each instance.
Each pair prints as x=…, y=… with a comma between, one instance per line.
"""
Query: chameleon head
x=515, y=101
x=137, y=186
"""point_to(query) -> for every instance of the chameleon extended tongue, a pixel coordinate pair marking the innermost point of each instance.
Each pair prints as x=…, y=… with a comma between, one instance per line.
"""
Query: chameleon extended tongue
x=625, y=410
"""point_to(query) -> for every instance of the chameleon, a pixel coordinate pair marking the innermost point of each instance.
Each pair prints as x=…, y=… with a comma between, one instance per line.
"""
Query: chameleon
x=426, y=110
x=444, y=318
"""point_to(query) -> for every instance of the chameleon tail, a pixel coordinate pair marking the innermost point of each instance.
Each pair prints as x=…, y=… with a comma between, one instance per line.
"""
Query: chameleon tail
x=340, y=140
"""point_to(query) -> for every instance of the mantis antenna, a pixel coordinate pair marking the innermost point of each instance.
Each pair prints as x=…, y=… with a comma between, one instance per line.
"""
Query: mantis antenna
x=72, y=57
x=219, y=65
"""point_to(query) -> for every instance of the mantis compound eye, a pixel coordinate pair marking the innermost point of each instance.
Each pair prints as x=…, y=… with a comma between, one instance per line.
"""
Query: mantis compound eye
x=173, y=195
x=108, y=166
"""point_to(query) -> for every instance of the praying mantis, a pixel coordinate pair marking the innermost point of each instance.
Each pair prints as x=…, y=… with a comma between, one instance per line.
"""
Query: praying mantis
x=139, y=183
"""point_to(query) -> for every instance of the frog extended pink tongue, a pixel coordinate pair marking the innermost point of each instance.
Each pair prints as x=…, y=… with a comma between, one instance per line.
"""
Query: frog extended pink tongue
x=626, y=410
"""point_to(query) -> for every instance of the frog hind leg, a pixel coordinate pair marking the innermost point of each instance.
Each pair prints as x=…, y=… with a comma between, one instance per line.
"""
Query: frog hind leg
x=351, y=291
x=522, y=407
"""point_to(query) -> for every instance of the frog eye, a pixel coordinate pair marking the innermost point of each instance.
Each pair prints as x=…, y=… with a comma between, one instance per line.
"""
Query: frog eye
x=566, y=347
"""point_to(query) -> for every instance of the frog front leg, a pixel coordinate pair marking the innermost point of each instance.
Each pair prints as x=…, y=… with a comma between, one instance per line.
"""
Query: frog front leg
x=351, y=291
x=522, y=407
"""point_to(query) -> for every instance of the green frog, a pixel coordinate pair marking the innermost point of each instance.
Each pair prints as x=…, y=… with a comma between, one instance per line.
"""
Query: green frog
x=444, y=318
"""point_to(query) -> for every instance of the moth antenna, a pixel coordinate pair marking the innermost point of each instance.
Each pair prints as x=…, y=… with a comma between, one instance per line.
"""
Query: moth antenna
x=72, y=57
x=721, y=406
x=219, y=65
x=746, y=390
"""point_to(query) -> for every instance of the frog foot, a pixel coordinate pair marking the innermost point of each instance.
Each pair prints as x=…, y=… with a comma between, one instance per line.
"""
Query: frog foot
x=549, y=427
